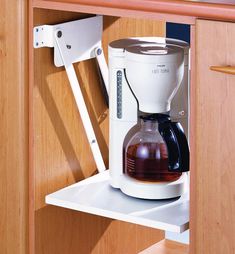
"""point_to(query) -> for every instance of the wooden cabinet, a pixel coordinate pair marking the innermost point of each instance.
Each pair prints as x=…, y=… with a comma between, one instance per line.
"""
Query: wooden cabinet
x=58, y=154
x=213, y=207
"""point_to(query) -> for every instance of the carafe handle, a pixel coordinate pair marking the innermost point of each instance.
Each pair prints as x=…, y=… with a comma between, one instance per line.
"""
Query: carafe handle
x=177, y=146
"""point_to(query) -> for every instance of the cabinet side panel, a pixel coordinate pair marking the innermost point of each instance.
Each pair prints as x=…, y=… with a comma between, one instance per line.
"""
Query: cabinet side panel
x=215, y=140
x=61, y=154
x=13, y=128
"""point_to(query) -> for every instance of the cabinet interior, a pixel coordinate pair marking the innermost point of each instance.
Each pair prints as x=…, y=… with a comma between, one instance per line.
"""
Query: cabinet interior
x=60, y=153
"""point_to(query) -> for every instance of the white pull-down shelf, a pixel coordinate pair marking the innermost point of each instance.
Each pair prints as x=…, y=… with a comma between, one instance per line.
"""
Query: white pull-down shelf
x=95, y=195
x=77, y=41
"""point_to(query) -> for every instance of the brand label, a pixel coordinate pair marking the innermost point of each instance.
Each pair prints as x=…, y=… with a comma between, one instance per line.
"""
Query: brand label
x=161, y=69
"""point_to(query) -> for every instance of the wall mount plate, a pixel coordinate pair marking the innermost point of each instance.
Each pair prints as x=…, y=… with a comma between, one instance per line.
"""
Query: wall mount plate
x=80, y=43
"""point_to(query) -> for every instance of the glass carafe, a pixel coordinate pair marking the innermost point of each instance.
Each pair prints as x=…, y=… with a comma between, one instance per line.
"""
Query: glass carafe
x=146, y=155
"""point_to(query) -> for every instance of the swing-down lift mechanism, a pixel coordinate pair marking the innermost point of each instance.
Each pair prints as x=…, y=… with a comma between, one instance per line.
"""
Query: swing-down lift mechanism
x=73, y=42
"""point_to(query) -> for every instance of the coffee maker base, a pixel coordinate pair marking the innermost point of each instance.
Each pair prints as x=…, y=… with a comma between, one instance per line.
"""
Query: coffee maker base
x=152, y=190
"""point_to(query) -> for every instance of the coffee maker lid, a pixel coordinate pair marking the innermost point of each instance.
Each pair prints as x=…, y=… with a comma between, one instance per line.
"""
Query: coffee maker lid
x=153, y=52
x=119, y=47
x=154, y=49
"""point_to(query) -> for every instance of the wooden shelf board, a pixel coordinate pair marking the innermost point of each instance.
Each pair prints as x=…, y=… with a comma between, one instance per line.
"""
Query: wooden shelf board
x=167, y=247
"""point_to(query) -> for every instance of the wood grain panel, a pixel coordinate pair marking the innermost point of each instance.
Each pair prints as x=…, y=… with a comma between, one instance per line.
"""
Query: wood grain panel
x=61, y=154
x=167, y=247
x=110, y=11
x=193, y=183
x=216, y=10
x=13, y=128
x=215, y=140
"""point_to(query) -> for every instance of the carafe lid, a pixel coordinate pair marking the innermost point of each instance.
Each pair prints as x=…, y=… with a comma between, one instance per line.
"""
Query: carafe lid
x=161, y=118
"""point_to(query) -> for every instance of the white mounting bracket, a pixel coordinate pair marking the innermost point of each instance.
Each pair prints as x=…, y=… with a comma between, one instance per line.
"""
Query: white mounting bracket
x=73, y=42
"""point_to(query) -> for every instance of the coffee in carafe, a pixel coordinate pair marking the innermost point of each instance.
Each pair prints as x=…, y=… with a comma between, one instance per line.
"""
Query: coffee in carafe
x=146, y=156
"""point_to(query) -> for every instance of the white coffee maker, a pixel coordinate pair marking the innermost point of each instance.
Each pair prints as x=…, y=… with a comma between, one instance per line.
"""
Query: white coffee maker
x=148, y=76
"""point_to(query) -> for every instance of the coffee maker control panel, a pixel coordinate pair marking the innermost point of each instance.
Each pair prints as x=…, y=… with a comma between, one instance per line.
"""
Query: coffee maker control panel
x=119, y=94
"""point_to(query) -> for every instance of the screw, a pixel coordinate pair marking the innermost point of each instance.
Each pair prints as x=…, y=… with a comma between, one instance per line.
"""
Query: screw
x=93, y=141
x=36, y=43
x=68, y=46
x=36, y=29
x=59, y=34
x=99, y=51
x=182, y=113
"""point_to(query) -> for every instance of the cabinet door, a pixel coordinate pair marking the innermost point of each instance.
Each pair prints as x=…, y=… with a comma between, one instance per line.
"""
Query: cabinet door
x=213, y=179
